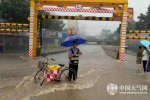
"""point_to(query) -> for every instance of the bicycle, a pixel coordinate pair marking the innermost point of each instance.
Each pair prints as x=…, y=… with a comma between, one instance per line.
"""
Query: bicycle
x=63, y=73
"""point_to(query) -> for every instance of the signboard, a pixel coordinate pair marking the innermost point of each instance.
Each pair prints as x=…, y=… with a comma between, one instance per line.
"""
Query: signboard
x=78, y=7
x=117, y=17
x=49, y=33
x=71, y=31
x=130, y=14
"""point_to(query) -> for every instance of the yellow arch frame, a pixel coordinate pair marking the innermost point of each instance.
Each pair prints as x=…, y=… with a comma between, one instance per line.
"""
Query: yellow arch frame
x=36, y=4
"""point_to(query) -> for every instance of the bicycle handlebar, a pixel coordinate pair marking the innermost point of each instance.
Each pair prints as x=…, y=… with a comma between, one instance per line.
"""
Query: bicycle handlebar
x=62, y=65
x=48, y=59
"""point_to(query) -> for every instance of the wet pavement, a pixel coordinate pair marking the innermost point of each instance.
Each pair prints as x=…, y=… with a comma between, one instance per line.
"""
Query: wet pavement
x=96, y=71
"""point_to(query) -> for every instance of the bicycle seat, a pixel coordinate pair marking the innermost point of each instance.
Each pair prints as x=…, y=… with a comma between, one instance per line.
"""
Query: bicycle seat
x=62, y=65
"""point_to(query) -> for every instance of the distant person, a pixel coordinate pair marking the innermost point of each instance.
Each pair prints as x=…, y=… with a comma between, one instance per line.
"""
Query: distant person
x=73, y=56
x=148, y=64
x=145, y=58
x=139, y=55
x=1, y=48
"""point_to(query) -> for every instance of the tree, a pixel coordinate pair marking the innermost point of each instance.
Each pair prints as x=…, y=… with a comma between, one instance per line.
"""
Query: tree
x=144, y=20
x=131, y=26
x=142, y=24
x=52, y=24
x=18, y=11
x=15, y=10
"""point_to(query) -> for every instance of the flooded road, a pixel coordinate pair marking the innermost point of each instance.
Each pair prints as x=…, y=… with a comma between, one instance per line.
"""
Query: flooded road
x=96, y=71
x=13, y=68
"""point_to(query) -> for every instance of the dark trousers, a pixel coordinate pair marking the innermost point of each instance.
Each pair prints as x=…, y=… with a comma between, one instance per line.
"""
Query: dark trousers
x=75, y=68
x=148, y=65
x=144, y=65
x=1, y=48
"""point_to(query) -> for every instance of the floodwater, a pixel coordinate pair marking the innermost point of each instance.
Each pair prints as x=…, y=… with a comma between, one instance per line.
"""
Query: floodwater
x=96, y=70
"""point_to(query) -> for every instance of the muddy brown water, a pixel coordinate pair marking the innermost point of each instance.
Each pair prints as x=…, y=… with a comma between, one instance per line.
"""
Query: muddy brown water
x=96, y=71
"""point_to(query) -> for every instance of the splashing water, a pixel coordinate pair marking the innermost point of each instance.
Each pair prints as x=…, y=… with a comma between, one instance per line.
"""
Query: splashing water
x=27, y=88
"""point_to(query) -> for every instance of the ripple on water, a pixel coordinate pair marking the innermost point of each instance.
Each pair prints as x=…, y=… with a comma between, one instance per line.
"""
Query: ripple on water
x=27, y=88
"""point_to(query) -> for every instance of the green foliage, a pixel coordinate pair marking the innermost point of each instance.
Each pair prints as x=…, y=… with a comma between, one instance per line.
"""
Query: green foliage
x=144, y=21
x=131, y=26
x=51, y=24
x=142, y=24
x=18, y=11
x=14, y=10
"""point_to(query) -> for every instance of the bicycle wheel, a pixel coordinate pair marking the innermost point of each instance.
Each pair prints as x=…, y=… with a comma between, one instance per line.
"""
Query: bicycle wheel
x=39, y=77
x=64, y=75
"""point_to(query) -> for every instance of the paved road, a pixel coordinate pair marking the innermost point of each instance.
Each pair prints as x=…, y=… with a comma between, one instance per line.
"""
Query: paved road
x=96, y=71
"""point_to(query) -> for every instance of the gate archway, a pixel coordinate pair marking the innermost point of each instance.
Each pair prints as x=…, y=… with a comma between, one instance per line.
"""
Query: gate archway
x=120, y=14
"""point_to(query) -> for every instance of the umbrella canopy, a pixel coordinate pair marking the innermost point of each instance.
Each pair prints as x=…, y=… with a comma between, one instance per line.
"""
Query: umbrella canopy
x=69, y=41
x=145, y=43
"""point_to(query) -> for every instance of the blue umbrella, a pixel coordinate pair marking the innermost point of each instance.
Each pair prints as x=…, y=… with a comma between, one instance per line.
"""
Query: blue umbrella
x=69, y=41
x=145, y=43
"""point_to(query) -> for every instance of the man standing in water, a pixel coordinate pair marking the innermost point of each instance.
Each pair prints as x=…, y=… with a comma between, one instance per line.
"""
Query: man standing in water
x=145, y=58
x=73, y=56
x=148, y=64
x=139, y=56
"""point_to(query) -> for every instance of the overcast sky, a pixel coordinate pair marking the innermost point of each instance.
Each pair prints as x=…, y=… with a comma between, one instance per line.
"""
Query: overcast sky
x=95, y=27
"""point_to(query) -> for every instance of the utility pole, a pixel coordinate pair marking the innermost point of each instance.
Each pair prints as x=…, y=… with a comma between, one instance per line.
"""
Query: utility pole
x=40, y=31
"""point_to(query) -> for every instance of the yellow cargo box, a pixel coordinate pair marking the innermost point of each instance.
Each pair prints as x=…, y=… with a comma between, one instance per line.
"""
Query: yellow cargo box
x=54, y=67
